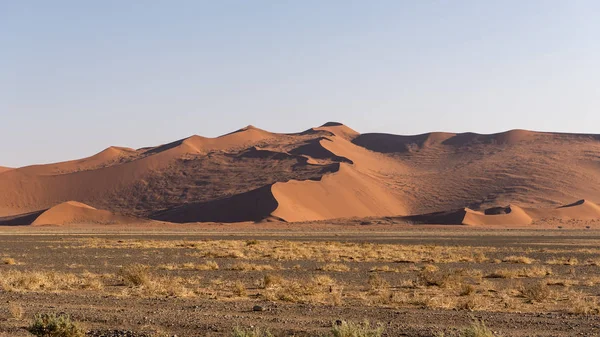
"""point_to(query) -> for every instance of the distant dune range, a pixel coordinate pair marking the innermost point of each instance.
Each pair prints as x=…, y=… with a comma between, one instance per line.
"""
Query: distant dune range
x=323, y=173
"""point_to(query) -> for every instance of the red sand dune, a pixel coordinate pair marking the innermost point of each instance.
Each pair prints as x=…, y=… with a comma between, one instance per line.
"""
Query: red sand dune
x=70, y=212
x=326, y=172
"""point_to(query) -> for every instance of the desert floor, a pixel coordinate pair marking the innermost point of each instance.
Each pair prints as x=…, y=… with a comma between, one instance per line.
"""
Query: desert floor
x=204, y=281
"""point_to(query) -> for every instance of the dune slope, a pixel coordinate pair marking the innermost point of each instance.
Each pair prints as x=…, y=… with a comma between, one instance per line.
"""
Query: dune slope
x=325, y=172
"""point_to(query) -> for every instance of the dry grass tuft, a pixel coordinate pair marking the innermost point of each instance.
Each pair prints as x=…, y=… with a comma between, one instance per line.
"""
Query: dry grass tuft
x=245, y=266
x=14, y=280
x=319, y=289
x=9, y=261
x=135, y=275
x=565, y=261
x=536, y=292
x=208, y=265
x=583, y=305
x=537, y=271
x=477, y=329
x=142, y=282
x=377, y=283
x=518, y=259
x=239, y=289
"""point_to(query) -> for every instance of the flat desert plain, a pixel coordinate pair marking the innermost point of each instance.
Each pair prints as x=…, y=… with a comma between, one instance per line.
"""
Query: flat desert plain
x=424, y=281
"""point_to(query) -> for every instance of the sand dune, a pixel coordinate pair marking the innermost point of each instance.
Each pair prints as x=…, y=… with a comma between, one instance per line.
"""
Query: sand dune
x=326, y=172
x=511, y=216
x=4, y=169
x=69, y=212
x=580, y=210
x=346, y=193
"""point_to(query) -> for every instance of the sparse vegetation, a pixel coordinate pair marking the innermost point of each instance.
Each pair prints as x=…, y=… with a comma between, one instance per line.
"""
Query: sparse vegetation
x=251, y=332
x=300, y=272
x=135, y=275
x=538, y=291
x=52, y=325
x=518, y=259
x=477, y=329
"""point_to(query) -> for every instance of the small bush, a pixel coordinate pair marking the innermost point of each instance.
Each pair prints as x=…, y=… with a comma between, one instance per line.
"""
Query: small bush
x=271, y=280
x=350, y=329
x=250, y=332
x=135, y=275
x=377, y=283
x=538, y=292
x=51, y=325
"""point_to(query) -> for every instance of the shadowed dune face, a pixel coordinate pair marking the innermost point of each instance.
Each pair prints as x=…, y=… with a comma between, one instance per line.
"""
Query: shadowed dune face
x=254, y=205
x=326, y=172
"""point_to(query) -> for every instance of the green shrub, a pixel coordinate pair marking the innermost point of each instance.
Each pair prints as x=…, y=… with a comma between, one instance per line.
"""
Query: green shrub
x=51, y=325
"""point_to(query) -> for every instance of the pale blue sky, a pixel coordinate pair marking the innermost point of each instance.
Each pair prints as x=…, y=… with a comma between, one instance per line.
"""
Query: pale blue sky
x=78, y=76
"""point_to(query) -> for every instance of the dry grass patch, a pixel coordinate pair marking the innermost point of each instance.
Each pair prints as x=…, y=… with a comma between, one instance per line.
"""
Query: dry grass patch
x=142, y=282
x=582, y=304
x=14, y=280
x=319, y=289
x=9, y=261
x=565, y=261
x=561, y=282
x=477, y=329
x=239, y=289
x=537, y=271
x=536, y=292
x=385, y=269
x=518, y=259
x=208, y=265
x=245, y=266
x=303, y=250
x=377, y=283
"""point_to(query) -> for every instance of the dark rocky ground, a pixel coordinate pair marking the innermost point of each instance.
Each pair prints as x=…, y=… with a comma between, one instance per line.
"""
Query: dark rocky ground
x=109, y=312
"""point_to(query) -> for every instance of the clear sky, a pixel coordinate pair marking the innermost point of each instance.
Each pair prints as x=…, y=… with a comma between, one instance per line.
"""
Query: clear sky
x=78, y=76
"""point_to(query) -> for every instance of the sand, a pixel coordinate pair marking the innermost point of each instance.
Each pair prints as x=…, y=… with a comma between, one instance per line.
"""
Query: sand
x=323, y=173
x=69, y=212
